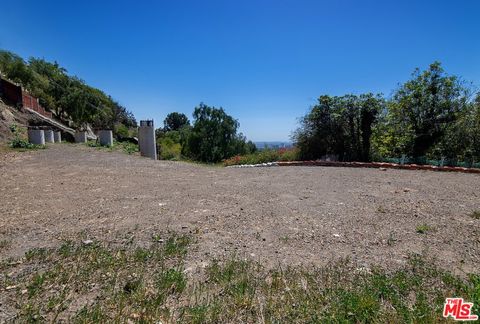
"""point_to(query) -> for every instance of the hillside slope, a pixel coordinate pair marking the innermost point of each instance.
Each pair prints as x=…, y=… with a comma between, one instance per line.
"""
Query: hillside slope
x=10, y=115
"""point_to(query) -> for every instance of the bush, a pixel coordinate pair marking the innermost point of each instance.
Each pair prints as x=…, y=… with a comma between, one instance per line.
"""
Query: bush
x=121, y=131
x=264, y=156
x=169, y=150
x=130, y=148
x=18, y=142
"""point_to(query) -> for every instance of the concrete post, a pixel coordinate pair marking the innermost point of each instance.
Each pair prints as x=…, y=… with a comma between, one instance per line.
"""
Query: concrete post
x=146, y=139
x=36, y=136
x=57, y=137
x=80, y=137
x=106, y=137
x=49, y=136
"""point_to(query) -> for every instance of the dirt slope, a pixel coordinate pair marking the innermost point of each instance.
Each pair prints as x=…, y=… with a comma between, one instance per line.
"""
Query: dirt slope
x=10, y=115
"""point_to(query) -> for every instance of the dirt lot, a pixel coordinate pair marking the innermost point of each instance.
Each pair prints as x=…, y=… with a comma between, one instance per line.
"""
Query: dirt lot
x=278, y=215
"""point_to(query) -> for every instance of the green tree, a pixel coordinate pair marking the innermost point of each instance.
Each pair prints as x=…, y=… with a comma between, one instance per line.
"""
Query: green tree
x=68, y=97
x=213, y=136
x=15, y=68
x=340, y=126
x=461, y=141
x=424, y=107
x=174, y=121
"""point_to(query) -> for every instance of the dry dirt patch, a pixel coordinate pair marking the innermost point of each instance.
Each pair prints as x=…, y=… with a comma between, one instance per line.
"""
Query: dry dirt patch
x=286, y=216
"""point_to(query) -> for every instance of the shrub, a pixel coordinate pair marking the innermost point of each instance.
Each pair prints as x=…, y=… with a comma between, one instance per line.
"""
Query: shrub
x=170, y=150
x=18, y=142
x=264, y=156
x=22, y=144
x=130, y=148
x=121, y=131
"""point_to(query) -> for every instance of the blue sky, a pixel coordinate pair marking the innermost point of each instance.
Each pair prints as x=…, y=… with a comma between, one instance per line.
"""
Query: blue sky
x=265, y=62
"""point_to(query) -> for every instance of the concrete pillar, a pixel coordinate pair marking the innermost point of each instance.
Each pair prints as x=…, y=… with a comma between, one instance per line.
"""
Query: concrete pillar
x=36, y=136
x=49, y=136
x=80, y=137
x=57, y=136
x=146, y=139
x=105, y=137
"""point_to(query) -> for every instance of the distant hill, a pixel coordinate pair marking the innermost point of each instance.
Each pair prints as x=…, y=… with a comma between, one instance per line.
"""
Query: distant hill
x=273, y=144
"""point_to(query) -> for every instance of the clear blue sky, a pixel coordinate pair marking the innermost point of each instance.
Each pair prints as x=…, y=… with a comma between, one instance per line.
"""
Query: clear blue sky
x=265, y=62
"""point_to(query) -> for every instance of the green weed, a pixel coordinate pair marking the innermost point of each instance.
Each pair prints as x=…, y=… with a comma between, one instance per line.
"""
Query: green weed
x=423, y=228
x=475, y=214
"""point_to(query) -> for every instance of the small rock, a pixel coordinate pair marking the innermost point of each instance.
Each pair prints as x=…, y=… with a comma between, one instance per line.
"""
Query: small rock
x=382, y=169
x=87, y=242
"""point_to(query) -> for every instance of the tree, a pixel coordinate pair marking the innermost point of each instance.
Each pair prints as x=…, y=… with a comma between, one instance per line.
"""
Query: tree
x=213, y=136
x=425, y=106
x=15, y=68
x=461, y=141
x=339, y=126
x=68, y=97
x=174, y=121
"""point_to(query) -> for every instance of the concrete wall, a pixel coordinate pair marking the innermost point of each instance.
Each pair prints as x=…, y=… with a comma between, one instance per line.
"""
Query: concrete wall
x=57, y=136
x=36, y=136
x=146, y=139
x=49, y=136
x=105, y=137
x=80, y=137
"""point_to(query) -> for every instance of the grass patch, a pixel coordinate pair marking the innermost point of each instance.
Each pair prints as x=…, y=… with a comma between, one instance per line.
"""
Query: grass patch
x=129, y=148
x=475, y=214
x=23, y=145
x=126, y=147
x=103, y=283
x=423, y=229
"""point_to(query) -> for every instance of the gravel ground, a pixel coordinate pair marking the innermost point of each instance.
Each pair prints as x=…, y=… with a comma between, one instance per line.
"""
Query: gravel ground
x=278, y=215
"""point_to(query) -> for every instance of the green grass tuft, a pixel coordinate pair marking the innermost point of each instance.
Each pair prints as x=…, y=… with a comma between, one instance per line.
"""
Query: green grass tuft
x=475, y=214
x=423, y=228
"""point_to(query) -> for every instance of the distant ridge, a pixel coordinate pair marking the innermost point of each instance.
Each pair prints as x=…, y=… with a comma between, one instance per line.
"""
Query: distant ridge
x=273, y=144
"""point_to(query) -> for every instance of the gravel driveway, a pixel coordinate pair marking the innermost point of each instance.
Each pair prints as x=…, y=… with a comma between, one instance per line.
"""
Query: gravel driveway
x=278, y=215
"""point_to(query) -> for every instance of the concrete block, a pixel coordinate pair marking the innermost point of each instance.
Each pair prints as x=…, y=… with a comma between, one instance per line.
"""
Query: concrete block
x=36, y=136
x=57, y=136
x=49, y=136
x=80, y=137
x=105, y=137
x=146, y=139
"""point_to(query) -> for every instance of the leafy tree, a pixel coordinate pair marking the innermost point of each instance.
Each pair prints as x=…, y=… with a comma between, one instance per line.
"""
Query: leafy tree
x=15, y=68
x=340, y=126
x=424, y=107
x=461, y=141
x=174, y=121
x=213, y=136
x=68, y=97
